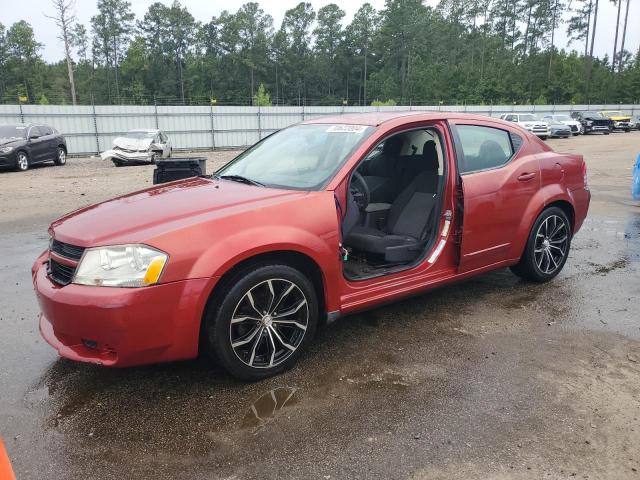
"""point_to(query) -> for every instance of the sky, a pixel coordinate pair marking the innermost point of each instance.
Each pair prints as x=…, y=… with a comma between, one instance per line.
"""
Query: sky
x=203, y=10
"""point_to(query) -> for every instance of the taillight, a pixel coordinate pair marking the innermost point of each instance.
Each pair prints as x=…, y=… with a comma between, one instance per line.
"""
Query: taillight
x=584, y=175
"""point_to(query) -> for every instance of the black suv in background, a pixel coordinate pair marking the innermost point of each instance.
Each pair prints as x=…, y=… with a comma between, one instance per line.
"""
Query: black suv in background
x=23, y=145
x=592, y=122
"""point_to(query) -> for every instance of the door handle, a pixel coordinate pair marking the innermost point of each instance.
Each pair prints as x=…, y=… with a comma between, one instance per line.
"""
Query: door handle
x=524, y=177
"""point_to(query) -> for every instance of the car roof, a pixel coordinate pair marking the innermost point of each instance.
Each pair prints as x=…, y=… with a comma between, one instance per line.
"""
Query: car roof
x=375, y=119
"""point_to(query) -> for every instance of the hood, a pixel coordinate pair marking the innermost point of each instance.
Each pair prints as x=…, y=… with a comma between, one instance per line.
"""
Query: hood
x=133, y=143
x=621, y=118
x=11, y=141
x=138, y=217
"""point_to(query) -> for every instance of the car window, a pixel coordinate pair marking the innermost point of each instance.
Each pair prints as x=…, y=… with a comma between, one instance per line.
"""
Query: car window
x=510, y=118
x=484, y=147
x=44, y=130
x=35, y=132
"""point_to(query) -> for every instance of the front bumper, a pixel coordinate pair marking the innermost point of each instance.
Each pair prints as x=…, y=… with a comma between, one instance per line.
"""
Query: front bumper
x=121, y=327
x=9, y=159
x=559, y=133
x=596, y=128
x=127, y=157
x=621, y=125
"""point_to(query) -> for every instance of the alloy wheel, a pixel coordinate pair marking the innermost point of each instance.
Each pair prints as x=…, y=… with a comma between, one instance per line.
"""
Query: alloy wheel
x=62, y=157
x=552, y=240
x=23, y=161
x=269, y=323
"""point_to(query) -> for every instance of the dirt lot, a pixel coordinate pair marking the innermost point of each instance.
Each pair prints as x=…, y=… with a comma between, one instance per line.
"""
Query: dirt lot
x=493, y=378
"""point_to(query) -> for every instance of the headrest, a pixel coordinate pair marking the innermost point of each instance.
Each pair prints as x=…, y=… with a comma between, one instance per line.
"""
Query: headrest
x=392, y=145
x=430, y=156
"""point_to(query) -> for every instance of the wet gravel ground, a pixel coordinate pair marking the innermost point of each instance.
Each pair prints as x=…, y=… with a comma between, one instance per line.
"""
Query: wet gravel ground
x=493, y=378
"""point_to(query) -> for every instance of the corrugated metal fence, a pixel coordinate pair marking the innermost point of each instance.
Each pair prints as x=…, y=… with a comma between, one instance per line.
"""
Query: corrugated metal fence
x=91, y=129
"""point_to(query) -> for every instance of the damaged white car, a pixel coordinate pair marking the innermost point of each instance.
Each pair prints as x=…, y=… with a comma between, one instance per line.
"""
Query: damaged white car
x=139, y=147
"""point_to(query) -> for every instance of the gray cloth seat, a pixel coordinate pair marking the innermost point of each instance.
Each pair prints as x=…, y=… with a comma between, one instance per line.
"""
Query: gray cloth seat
x=408, y=224
x=381, y=171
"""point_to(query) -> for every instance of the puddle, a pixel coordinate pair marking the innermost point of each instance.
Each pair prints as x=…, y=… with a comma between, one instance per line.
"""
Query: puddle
x=268, y=407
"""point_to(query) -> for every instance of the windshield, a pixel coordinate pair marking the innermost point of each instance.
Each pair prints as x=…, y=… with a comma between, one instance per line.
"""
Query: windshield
x=302, y=157
x=13, y=131
x=528, y=118
x=138, y=134
x=593, y=115
x=563, y=118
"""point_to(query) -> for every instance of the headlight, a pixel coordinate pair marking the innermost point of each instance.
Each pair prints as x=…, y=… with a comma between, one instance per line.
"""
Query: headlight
x=6, y=149
x=120, y=266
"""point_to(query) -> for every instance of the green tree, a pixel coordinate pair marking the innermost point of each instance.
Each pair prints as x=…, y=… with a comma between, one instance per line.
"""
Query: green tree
x=262, y=98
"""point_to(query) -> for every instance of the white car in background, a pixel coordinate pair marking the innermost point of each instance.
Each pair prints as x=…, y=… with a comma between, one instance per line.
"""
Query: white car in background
x=138, y=147
x=574, y=125
x=529, y=122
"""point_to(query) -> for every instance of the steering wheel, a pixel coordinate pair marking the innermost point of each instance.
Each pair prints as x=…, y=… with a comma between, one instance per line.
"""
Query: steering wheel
x=360, y=191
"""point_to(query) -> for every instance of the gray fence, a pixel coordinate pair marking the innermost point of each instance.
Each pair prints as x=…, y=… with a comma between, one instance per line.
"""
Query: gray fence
x=91, y=129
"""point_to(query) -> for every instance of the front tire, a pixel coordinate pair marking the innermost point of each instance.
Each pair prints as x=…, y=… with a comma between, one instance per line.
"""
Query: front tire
x=61, y=157
x=547, y=247
x=22, y=162
x=264, y=318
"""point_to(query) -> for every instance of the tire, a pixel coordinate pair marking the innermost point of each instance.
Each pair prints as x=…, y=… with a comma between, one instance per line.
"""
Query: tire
x=153, y=159
x=261, y=341
x=22, y=161
x=170, y=153
x=547, y=247
x=544, y=137
x=117, y=163
x=606, y=133
x=61, y=156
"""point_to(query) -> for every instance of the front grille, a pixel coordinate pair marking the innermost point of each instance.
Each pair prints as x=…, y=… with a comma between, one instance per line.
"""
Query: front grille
x=67, y=251
x=59, y=273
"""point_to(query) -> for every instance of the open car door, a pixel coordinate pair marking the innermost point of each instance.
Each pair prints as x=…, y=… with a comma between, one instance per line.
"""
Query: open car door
x=496, y=184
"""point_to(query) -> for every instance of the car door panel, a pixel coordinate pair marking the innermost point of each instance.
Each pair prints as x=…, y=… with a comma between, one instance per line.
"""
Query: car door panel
x=37, y=146
x=495, y=201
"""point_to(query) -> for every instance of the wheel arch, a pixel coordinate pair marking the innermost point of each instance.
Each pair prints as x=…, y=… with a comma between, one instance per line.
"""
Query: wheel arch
x=302, y=262
x=541, y=201
x=63, y=147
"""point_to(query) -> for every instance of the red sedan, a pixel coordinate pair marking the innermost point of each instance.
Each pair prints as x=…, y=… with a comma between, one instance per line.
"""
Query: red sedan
x=316, y=221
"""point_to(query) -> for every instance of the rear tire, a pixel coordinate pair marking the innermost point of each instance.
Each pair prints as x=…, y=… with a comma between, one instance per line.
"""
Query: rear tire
x=262, y=320
x=61, y=157
x=547, y=247
x=117, y=163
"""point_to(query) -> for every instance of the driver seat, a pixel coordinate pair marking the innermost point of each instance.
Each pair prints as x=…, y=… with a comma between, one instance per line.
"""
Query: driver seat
x=408, y=224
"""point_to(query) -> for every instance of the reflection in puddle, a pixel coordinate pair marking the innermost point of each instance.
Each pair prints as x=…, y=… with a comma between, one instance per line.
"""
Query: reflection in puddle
x=268, y=407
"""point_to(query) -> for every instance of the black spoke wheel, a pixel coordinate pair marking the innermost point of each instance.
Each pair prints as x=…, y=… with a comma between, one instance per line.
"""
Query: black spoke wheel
x=262, y=321
x=547, y=247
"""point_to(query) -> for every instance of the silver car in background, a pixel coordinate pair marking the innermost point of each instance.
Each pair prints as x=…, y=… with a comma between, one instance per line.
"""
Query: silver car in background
x=137, y=147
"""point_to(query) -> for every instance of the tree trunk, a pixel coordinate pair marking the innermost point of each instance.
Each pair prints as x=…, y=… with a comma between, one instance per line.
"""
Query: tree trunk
x=553, y=34
x=72, y=83
x=364, y=80
x=593, y=37
x=586, y=43
x=624, y=34
x=615, y=41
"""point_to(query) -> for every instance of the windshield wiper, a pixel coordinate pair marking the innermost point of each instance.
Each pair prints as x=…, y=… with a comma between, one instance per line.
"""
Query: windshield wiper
x=241, y=179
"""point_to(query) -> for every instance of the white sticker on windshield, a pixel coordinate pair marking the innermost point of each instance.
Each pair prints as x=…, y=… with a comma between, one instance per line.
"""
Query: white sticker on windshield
x=346, y=128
